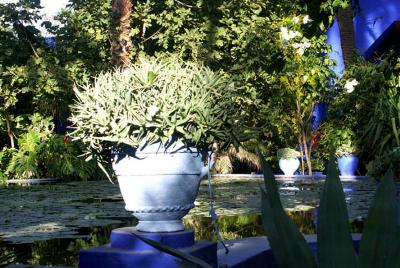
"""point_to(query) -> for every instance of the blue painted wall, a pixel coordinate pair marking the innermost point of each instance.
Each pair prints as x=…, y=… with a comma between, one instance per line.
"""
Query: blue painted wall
x=373, y=19
x=333, y=39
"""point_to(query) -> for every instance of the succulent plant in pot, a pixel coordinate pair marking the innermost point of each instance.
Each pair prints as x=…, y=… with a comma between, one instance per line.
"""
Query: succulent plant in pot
x=288, y=160
x=159, y=118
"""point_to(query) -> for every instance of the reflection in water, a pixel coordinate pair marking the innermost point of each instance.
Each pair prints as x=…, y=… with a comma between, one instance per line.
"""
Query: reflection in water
x=248, y=225
x=73, y=205
x=65, y=251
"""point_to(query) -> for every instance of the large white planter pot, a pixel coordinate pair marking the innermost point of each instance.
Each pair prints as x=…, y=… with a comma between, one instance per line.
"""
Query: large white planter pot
x=159, y=186
x=289, y=166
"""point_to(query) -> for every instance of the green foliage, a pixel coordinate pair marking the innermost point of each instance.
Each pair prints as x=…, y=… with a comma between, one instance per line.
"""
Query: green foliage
x=352, y=107
x=61, y=158
x=287, y=153
x=380, y=243
x=304, y=80
x=318, y=160
x=43, y=154
x=25, y=162
x=33, y=77
x=18, y=37
x=227, y=35
x=364, y=112
x=378, y=166
x=341, y=137
x=156, y=101
x=83, y=45
x=5, y=158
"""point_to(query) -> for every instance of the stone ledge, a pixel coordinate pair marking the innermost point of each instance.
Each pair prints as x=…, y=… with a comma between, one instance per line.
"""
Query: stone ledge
x=256, y=252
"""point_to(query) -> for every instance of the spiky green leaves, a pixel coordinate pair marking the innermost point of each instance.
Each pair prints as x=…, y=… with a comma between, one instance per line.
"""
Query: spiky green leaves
x=380, y=245
x=288, y=244
x=335, y=245
x=154, y=101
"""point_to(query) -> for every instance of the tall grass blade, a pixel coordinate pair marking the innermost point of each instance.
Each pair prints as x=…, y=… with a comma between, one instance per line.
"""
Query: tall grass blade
x=176, y=253
x=288, y=244
x=380, y=244
x=335, y=246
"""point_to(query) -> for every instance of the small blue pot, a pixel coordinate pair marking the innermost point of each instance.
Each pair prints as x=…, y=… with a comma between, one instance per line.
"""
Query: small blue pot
x=348, y=165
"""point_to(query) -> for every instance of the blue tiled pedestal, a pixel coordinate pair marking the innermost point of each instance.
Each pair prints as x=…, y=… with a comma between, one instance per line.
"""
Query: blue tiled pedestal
x=126, y=250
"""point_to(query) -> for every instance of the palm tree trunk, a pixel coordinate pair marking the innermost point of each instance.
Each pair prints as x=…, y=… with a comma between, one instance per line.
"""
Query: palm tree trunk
x=346, y=27
x=121, y=43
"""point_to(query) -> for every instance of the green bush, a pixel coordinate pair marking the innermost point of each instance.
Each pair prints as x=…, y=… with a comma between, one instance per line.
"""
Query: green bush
x=61, y=158
x=5, y=158
x=341, y=137
x=47, y=155
x=25, y=162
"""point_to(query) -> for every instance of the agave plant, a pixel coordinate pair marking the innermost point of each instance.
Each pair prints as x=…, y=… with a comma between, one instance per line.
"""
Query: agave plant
x=380, y=243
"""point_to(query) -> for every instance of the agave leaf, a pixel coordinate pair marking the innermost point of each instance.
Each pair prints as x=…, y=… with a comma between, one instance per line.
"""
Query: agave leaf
x=335, y=245
x=288, y=244
x=174, y=252
x=380, y=242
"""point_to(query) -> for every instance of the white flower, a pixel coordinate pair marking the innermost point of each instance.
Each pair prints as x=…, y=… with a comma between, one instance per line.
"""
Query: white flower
x=152, y=110
x=350, y=85
x=306, y=19
x=294, y=34
x=287, y=35
x=301, y=47
x=284, y=32
x=296, y=19
x=306, y=44
x=296, y=45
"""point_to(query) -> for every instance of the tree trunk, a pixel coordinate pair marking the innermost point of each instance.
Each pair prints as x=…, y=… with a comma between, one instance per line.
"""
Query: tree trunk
x=302, y=155
x=300, y=135
x=346, y=27
x=307, y=152
x=121, y=42
x=9, y=131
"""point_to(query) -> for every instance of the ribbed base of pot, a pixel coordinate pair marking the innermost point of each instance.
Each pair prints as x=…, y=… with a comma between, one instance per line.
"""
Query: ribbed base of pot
x=160, y=226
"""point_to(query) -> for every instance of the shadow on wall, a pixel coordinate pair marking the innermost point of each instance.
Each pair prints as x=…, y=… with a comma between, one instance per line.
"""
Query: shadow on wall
x=375, y=17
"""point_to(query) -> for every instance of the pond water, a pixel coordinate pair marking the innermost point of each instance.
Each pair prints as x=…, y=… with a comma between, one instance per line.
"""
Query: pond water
x=49, y=224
